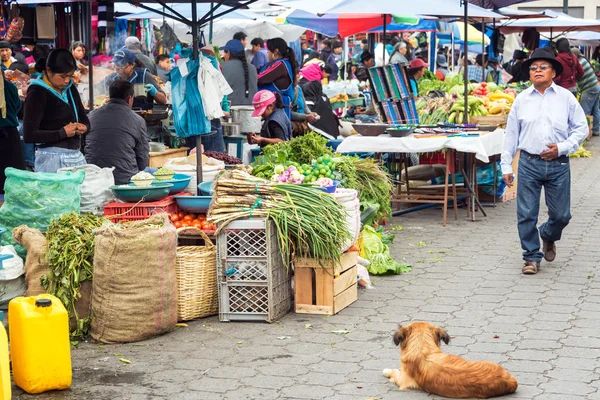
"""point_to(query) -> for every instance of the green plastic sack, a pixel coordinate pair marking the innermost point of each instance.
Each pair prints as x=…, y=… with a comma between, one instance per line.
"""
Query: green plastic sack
x=36, y=198
x=377, y=253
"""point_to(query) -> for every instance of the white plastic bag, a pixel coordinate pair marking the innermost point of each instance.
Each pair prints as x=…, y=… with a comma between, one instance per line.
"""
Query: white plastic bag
x=187, y=165
x=95, y=192
x=349, y=199
x=13, y=267
x=12, y=276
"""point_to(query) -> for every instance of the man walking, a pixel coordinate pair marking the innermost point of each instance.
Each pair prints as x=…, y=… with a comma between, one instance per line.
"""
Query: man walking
x=547, y=124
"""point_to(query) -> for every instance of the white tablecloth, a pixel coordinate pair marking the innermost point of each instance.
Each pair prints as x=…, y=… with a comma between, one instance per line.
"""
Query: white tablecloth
x=484, y=146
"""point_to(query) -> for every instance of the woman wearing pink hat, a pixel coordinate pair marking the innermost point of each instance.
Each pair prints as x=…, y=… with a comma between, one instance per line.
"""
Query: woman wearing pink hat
x=276, y=124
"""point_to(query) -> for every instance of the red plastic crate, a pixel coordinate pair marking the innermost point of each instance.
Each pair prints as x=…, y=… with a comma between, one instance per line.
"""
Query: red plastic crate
x=121, y=212
x=437, y=157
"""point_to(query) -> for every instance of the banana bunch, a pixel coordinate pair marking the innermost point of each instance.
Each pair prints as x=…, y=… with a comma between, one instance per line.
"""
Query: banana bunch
x=581, y=153
x=475, y=107
x=341, y=97
x=500, y=103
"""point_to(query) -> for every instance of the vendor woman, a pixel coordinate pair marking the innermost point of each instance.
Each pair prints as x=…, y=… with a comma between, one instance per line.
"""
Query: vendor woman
x=11, y=153
x=127, y=68
x=276, y=125
x=53, y=115
x=78, y=51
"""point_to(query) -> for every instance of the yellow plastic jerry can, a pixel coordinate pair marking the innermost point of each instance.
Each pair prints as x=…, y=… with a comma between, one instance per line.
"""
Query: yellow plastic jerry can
x=39, y=343
x=5, y=384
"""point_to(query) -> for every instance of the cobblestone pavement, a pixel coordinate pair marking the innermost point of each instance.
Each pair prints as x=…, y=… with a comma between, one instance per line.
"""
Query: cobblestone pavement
x=545, y=329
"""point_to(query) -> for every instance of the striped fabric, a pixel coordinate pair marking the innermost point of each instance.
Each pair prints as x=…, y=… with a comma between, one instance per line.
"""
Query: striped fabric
x=588, y=80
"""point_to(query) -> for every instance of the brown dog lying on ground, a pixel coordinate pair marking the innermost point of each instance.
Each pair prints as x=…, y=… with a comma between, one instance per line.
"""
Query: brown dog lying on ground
x=424, y=366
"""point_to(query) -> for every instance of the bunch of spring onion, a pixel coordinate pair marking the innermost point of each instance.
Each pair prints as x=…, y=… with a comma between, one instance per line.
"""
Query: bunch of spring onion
x=309, y=222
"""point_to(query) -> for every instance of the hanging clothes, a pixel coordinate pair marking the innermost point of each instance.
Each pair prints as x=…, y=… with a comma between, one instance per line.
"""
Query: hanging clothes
x=213, y=87
x=188, y=111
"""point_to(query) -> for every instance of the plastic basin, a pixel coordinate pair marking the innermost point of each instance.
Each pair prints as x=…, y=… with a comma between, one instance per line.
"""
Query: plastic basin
x=133, y=194
x=179, y=182
x=195, y=204
x=206, y=188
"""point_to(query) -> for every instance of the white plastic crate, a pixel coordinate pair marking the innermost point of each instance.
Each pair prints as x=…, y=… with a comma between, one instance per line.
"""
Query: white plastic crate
x=253, y=280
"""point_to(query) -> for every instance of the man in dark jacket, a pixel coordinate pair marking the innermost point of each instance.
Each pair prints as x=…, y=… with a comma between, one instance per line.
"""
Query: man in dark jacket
x=118, y=137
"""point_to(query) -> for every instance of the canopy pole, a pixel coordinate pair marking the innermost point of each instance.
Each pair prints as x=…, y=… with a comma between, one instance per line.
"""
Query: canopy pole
x=465, y=61
x=482, y=47
x=210, y=26
x=384, y=34
x=195, y=55
x=345, y=58
x=453, y=49
x=90, y=57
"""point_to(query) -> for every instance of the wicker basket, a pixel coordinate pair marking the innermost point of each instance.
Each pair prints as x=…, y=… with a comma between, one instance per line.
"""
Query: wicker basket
x=197, y=292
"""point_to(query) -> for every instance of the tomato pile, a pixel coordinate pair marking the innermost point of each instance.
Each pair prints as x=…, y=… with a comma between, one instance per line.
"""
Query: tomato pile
x=182, y=220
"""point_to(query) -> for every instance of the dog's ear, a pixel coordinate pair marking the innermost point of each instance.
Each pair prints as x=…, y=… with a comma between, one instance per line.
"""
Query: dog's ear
x=400, y=335
x=442, y=335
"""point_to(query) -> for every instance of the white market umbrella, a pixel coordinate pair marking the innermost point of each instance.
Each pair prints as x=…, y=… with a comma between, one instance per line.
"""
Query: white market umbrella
x=556, y=23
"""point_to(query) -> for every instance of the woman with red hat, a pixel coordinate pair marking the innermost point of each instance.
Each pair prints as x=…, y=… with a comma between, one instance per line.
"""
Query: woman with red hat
x=416, y=70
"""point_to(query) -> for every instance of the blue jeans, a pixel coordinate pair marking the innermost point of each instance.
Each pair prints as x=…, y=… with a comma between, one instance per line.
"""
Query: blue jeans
x=51, y=159
x=555, y=177
x=591, y=106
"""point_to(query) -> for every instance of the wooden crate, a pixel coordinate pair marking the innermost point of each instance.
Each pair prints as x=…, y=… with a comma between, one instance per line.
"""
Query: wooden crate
x=157, y=159
x=325, y=289
x=499, y=120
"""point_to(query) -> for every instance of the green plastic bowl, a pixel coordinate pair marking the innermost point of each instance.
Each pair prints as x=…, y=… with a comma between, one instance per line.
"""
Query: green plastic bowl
x=133, y=194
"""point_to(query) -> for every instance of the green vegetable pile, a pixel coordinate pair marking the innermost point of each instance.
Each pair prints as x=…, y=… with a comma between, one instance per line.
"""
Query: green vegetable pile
x=323, y=167
x=377, y=252
x=309, y=222
x=301, y=150
x=70, y=254
x=311, y=156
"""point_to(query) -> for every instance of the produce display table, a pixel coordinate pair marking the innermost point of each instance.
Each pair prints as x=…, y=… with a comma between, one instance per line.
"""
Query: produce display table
x=483, y=146
x=352, y=102
x=475, y=147
x=157, y=159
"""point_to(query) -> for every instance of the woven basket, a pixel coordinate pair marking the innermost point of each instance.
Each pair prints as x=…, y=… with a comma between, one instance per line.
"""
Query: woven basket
x=196, y=266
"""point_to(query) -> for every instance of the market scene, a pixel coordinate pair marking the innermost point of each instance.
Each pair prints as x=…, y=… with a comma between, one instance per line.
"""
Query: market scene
x=299, y=199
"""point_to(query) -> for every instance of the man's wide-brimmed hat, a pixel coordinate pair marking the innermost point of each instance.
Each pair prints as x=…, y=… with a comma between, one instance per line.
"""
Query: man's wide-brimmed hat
x=546, y=54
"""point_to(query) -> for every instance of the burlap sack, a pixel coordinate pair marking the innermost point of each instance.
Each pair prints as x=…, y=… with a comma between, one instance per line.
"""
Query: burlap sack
x=134, y=295
x=36, y=265
x=36, y=262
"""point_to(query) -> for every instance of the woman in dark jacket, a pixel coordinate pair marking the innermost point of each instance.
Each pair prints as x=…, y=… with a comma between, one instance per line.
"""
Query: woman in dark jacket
x=54, y=116
x=320, y=104
x=276, y=126
x=11, y=153
x=572, y=69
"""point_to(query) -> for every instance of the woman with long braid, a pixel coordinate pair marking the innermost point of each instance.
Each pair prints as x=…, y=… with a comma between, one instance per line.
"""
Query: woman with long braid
x=279, y=74
x=240, y=76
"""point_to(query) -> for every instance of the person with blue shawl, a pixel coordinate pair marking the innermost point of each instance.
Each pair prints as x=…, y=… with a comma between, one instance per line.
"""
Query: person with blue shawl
x=279, y=74
x=53, y=115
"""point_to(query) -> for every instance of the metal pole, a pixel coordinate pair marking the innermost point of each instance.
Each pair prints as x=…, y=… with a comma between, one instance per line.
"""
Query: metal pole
x=566, y=6
x=90, y=58
x=210, y=26
x=384, y=32
x=465, y=63
x=482, y=48
x=453, y=49
x=195, y=55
